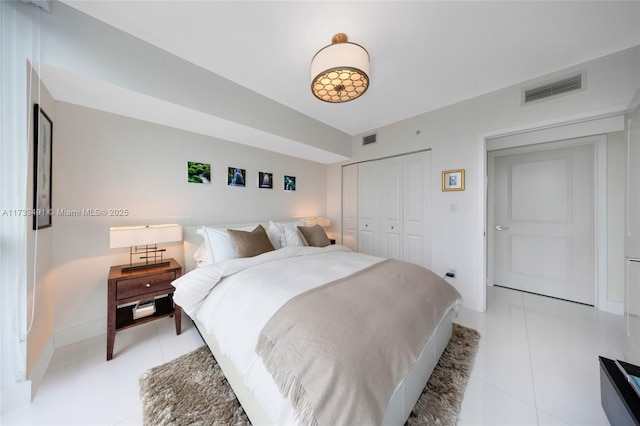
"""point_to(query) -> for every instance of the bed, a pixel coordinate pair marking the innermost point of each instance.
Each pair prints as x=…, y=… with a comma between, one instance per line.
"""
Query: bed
x=245, y=311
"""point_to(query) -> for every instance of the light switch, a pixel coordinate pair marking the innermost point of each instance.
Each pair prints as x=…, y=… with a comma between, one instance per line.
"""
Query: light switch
x=453, y=208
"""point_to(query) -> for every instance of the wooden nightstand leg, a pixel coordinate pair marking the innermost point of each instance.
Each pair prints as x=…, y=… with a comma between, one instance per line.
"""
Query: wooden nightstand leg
x=111, y=322
x=178, y=318
x=111, y=338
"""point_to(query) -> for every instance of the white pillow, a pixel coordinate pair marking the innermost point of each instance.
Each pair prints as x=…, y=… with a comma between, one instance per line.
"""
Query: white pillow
x=288, y=233
x=274, y=232
x=220, y=246
x=202, y=255
x=292, y=236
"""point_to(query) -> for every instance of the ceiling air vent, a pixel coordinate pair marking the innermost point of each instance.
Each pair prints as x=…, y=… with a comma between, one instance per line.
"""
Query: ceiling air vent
x=368, y=140
x=558, y=87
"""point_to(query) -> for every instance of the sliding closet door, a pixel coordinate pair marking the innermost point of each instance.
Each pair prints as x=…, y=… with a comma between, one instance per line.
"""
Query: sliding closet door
x=416, y=208
x=389, y=207
x=392, y=215
x=350, y=206
x=368, y=191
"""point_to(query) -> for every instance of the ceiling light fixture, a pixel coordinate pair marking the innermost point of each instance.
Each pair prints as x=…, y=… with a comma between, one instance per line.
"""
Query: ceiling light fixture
x=340, y=71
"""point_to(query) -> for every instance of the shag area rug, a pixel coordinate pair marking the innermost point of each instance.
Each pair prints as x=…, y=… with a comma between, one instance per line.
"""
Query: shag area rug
x=191, y=390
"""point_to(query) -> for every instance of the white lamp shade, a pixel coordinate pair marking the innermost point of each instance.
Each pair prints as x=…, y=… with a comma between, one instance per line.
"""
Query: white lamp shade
x=340, y=55
x=340, y=72
x=131, y=236
x=322, y=221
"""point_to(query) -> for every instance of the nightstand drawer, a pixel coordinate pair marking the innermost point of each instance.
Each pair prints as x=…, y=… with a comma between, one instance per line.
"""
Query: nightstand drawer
x=139, y=286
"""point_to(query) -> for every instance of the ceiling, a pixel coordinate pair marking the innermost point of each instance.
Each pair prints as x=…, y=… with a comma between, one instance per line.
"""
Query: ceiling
x=424, y=54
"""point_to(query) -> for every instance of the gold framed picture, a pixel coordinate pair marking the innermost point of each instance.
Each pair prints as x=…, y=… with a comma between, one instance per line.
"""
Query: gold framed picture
x=453, y=180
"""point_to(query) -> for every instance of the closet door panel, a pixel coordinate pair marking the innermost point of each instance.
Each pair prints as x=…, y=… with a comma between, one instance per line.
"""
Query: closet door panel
x=414, y=249
x=390, y=205
x=416, y=207
x=368, y=189
x=366, y=243
x=350, y=206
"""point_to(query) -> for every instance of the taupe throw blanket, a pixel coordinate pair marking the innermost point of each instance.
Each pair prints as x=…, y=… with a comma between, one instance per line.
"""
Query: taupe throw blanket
x=340, y=350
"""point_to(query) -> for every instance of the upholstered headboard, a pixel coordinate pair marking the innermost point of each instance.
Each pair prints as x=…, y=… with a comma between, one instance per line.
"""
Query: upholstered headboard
x=191, y=240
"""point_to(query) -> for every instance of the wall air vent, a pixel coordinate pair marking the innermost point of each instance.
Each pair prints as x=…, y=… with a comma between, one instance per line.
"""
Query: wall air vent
x=554, y=88
x=368, y=140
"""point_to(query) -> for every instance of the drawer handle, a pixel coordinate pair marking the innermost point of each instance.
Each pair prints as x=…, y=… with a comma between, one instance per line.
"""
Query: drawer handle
x=148, y=285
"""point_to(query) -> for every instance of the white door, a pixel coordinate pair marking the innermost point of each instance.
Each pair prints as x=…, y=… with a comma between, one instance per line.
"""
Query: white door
x=367, y=208
x=544, y=221
x=389, y=182
x=416, y=202
x=350, y=206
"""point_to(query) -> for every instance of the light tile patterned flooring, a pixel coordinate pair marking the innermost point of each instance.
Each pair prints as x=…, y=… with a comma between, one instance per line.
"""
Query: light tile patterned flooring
x=537, y=365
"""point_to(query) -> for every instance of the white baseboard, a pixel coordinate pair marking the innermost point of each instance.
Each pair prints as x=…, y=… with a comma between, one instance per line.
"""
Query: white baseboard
x=79, y=333
x=15, y=396
x=40, y=368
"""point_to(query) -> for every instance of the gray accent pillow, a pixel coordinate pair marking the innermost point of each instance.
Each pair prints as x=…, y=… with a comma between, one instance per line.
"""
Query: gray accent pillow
x=315, y=236
x=249, y=244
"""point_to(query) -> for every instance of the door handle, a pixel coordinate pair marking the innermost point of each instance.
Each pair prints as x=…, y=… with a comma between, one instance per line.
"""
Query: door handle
x=501, y=228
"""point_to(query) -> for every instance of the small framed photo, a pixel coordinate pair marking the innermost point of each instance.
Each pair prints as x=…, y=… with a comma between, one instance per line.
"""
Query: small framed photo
x=198, y=172
x=289, y=183
x=42, y=163
x=453, y=180
x=236, y=176
x=265, y=180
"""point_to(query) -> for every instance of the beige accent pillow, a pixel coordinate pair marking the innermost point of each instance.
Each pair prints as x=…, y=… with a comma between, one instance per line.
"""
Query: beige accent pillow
x=249, y=244
x=315, y=235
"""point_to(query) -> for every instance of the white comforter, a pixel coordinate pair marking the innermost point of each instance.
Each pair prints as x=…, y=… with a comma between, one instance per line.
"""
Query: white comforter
x=235, y=298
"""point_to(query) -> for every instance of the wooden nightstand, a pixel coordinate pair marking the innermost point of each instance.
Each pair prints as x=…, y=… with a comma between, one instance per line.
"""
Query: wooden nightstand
x=143, y=284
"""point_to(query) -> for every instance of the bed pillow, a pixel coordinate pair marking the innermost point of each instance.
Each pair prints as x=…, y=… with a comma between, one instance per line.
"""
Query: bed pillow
x=202, y=255
x=292, y=236
x=220, y=246
x=249, y=244
x=289, y=234
x=274, y=232
x=315, y=235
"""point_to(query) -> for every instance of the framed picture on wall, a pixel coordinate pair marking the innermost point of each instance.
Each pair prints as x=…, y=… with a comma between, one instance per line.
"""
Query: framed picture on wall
x=198, y=172
x=265, y=180
x=236, y=176
x=289, y=183
x=453, y=180
x=42, y=166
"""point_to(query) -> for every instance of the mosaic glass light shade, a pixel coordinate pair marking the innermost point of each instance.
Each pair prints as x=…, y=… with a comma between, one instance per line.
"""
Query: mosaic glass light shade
x=340, y=71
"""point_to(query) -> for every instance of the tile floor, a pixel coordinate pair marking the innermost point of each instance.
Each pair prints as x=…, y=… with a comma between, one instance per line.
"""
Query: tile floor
x=537, y=365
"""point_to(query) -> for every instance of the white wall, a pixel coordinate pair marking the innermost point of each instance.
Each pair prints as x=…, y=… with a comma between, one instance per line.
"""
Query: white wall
x=105, y=161
x=456, y=136
x=39, y=254
x=616, y=157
